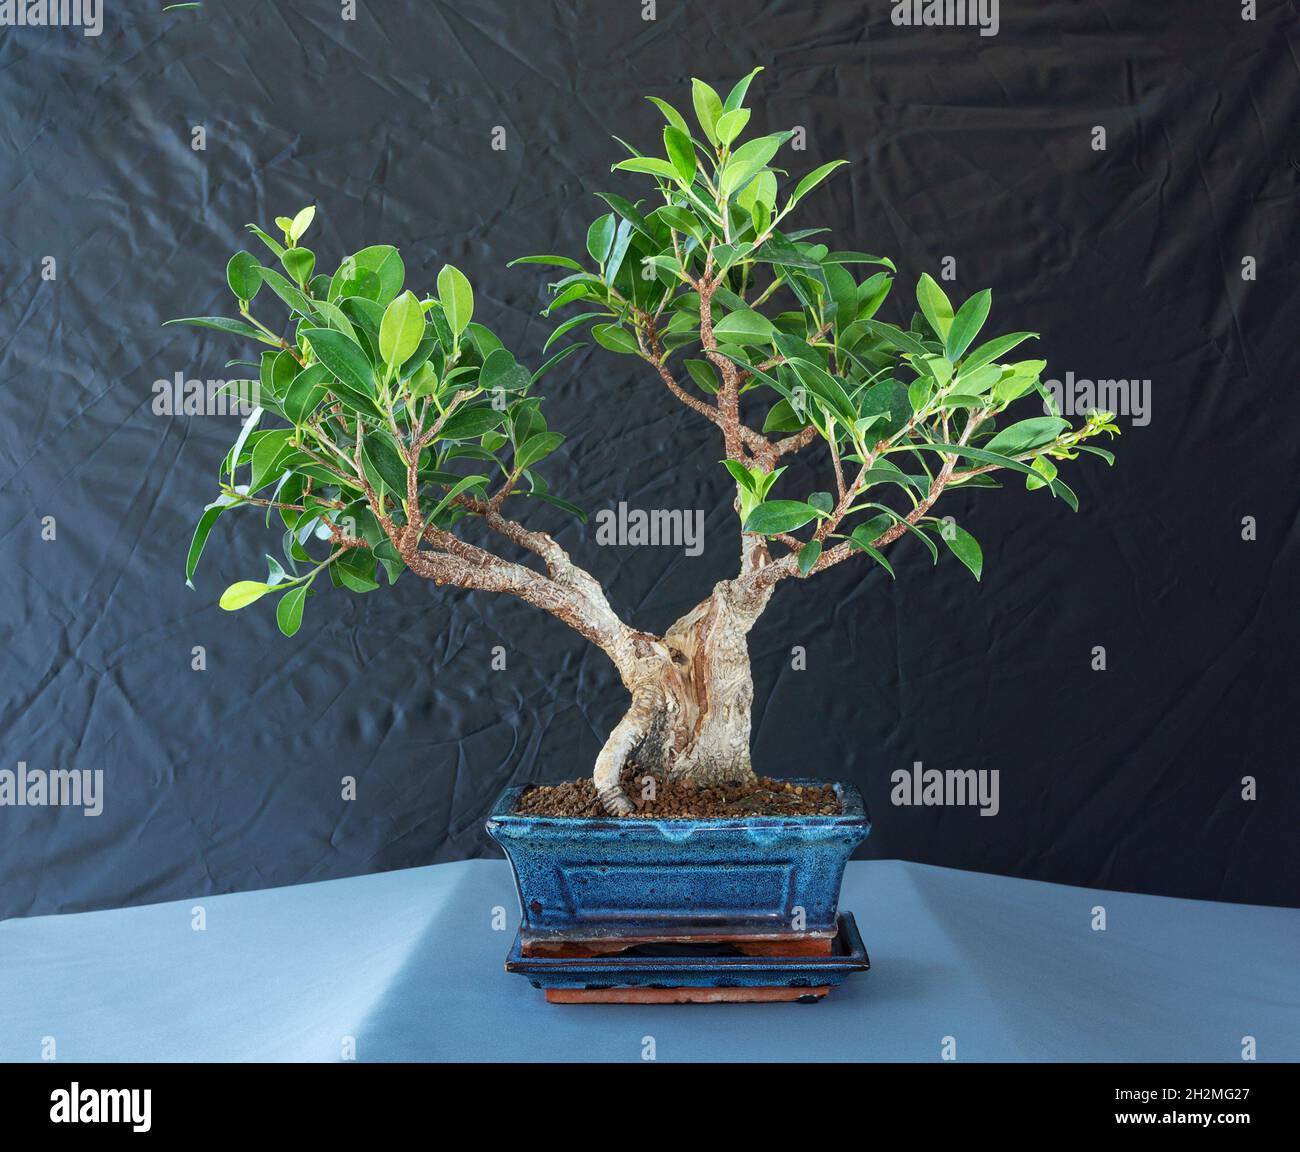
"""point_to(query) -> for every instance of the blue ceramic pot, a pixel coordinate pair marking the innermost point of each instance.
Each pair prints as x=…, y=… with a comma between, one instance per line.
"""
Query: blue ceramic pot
x=751, y=875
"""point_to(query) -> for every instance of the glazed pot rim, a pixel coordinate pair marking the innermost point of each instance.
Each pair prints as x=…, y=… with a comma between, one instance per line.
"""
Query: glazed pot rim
x=852, y=814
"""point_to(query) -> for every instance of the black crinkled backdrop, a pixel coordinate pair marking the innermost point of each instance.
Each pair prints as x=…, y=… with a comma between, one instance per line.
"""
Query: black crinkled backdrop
x=1128, y=260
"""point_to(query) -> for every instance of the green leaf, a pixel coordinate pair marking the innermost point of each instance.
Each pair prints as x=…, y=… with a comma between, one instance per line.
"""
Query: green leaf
x=993, y=349
x=964, y=546
x=730, y=125
x=780, y=516
x=737, y=95
x=244, y=275
x=501, y=371
x=614, y=338
x=1026, y=435
x=553, y=361
x=375, y=273
x=457, y=298
x=266, y=453
x=299, y=263
x=808, y=555
x=223, y=324
x=288, y=613
x=648, y=165
x=401, y=329
x=535, y=448
x=291, y=294
x=600, y=236
x=552, y=261
x=301, y=222
x=861, y=538
x=681, y=154
x=471, y=423
x=344, y=358
x=741, y=475
x=380, y=452
x=201, y=532
x=708, y=107
x=815, y=177
x=980, y=454
x=462, y=485
x=967, y=324
x=935, y=305
x=305, y=392
x=243, y=593
x=744, y=327
x=748, y=159
x=895, y=337
x=675, y=118
x=701, y=371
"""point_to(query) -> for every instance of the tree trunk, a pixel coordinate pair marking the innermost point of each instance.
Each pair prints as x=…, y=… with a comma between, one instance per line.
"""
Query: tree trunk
x=691, y=700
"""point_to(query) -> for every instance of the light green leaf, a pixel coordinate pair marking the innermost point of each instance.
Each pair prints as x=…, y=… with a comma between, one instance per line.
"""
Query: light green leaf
x=675, y=118
x=815, y=177
x=301, y=222
x=967, y=324
x=681, y=154
x=731, y=124
x=999, y=346
x=749, y=159
x=649, y=165
x=737, y=95
x=935, y=306
x=553, y=261
x=401, y=329
x=456, y=297
x=243, y=593
x=708, y=107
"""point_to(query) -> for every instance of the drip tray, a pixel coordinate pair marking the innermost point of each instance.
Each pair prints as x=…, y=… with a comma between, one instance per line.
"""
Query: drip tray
x=673, y=972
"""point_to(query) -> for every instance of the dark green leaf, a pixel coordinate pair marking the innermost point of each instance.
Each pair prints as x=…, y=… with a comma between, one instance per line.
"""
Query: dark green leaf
x=964, y=546
x=288, y=613
x=344, y=358
x=779, y=516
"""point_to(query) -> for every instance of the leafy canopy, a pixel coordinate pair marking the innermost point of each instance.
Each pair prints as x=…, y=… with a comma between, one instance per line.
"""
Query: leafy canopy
x=384, y=415
x=708, y=272
x=371, y=377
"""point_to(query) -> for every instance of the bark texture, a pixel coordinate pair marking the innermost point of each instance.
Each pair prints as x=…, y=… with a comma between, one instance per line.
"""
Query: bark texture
x=692, y=696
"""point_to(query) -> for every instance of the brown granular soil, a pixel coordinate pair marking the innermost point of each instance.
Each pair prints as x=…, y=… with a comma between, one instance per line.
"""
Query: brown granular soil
x=685, y=800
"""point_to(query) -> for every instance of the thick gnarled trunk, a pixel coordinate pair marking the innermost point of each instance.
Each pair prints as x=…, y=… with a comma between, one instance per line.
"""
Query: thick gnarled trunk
x=692, y=695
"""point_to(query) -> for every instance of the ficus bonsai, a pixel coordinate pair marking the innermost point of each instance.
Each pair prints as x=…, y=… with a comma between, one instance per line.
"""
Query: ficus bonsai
x=408, y=437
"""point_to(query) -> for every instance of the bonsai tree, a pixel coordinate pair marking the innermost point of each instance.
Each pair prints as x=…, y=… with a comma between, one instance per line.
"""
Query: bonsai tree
x=393, y=432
